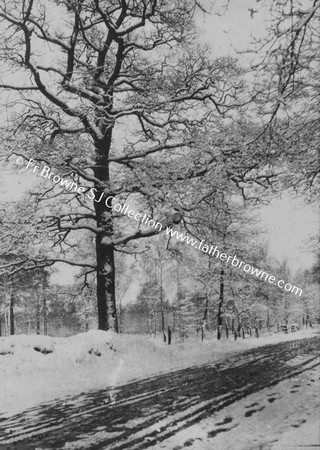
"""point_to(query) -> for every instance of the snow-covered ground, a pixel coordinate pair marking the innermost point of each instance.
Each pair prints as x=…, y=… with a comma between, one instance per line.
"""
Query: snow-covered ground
x=36, y=369
x=283, y=417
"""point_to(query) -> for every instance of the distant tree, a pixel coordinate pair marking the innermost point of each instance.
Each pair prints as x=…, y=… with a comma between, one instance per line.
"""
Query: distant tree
x=310, y=301
x=145, y=308
x=187, y=319
x=21, y=242
x=33, y=291
x=24, y=299
x=157, y=265
x=221, y=221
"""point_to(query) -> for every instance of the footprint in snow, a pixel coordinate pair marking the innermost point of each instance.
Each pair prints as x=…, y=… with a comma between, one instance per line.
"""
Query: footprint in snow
x=217, y=431
x=253, y=404
x=227, y=419
x=273, y=396
x=252, y=411
x=298, y=424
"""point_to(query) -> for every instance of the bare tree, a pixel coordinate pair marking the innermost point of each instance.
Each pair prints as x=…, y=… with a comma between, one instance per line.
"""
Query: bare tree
x=115, y=93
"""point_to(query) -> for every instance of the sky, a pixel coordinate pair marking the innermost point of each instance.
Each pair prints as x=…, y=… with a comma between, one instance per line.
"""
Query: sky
x=232, y=29
x=289, y=222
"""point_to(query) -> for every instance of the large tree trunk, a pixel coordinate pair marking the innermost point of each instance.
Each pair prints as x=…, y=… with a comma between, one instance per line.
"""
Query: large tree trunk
x=107, y=311
x=107, y=315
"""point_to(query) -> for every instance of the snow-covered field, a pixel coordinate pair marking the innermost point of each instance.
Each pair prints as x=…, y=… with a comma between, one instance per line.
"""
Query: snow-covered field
x=36, y=369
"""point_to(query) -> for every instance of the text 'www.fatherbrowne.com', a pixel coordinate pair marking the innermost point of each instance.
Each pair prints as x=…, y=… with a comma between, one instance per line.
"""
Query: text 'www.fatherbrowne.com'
x=71, y=186
x=235, y=262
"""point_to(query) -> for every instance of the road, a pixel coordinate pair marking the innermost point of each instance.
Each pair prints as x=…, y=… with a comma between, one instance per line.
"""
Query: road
x=143, y=413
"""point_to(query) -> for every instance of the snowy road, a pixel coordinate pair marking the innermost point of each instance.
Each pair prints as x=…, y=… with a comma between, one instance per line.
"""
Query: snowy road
x=146, y=413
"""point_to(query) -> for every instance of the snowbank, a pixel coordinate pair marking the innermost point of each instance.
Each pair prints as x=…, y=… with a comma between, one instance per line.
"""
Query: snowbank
x=35, y=369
